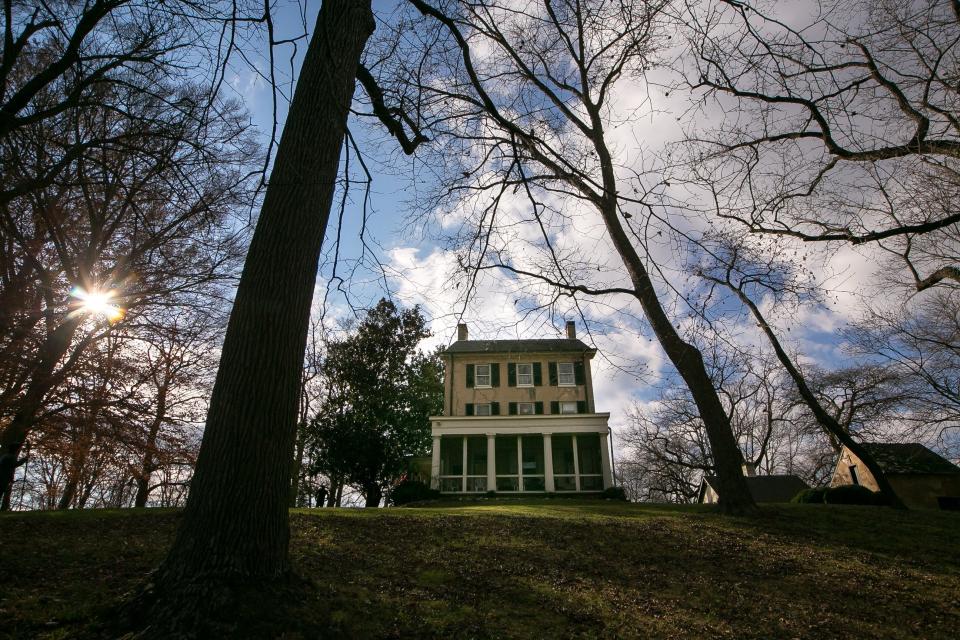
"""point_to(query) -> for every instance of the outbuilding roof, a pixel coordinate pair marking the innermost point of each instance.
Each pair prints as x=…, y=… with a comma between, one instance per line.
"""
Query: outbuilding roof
x=549, y=345
x=908, y=457
x=779, y=488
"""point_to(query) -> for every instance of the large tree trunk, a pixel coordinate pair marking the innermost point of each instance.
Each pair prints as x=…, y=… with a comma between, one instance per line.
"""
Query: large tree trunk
x=235, y=528
x=372, y=494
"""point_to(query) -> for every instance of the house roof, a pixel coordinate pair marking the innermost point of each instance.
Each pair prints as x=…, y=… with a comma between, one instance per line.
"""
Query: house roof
x=549, y=345
x=908, y=457
x=779, y=488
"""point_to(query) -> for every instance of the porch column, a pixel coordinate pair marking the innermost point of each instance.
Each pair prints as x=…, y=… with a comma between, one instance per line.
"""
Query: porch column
x=435, y=464
x=605, y=460
x=548, y=462
x=491, y=462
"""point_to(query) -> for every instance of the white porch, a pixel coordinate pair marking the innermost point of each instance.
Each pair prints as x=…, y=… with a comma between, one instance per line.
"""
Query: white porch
x=521, y=454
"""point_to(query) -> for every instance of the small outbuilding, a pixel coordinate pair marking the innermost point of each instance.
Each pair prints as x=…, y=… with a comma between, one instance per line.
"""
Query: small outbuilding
x=921, y=478
x=776, y=488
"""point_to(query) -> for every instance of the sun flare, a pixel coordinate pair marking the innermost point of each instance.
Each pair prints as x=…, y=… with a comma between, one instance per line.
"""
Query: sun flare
x=97, y=303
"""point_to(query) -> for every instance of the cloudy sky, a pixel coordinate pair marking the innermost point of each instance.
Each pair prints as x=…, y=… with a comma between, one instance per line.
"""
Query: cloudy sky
x=406, y=262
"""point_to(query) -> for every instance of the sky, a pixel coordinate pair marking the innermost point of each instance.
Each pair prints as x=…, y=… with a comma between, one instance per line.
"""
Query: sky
x=394, y=259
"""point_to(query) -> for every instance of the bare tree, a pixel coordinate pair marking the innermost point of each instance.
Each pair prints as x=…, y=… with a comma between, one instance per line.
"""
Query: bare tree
x=668, y=441
x=120, y=231
x=747, y=273
x=517, y=99
x=921, y=342
x=837, y=124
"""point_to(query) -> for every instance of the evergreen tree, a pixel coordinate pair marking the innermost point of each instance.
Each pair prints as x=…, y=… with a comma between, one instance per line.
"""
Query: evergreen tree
x=382, y=391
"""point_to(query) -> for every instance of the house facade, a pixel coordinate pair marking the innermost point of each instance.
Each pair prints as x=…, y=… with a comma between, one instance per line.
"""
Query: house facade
x=921, y=478
x=519, y=417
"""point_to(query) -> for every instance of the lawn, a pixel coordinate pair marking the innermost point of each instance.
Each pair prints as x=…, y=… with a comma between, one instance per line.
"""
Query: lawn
x=529, y=569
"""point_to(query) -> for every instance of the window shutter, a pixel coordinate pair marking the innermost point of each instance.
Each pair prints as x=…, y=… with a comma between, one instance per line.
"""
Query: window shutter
x=579, y=375
x=537, y=375
x=581, y=406
x=554, y=379
x=538, y=408
x=469, y=408
x=554, y=405
x=494, y=408
x=511, y=374
x=469, y=376
x=494, y=374
x=512, y=407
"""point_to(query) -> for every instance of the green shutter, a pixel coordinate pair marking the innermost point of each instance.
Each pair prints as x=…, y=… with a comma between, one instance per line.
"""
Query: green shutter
x=538, y=408
x=469, y=408
x=554, y=405
x=511, y=374
x=554, y=379
x=537, y=375
x=469, y=376
x=581, y=406
x=579, y=375
x=494, y=374
x=494, y=408
x=512, y=407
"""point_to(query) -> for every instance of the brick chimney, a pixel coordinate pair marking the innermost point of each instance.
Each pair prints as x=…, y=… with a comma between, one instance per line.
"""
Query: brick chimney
x=571, y=330
x=462, y=332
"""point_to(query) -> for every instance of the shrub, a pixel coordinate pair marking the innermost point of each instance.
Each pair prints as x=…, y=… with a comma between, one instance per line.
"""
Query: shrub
x=412, y=491
x=853, y=494
x=614, y=493
x=810, y=496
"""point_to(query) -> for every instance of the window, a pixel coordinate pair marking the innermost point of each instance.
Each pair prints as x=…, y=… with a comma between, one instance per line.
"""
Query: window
x=853, y=474
x=564, y=468
x=451, y=464
x=526, y=408
x=577, y=462
x=482, y=378
x=531, y=451
x=463, y=464
x=568, y=407
x=525, y=375
x=565, y=375
x=589, y=462
x=508, y=472
x=482, y=409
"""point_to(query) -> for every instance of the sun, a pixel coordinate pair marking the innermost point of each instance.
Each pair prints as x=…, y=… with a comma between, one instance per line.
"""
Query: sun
x=97, y=303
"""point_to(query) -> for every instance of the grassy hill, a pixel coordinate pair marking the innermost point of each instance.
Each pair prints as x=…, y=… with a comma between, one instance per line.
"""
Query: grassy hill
x=530, y=569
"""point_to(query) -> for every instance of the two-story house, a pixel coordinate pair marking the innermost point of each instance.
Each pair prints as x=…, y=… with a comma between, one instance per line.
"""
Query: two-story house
x=519, y=417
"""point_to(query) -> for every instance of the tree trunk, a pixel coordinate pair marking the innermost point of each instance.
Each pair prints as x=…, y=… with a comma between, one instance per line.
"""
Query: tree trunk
x=297, y=465
x=734, y=494
x=372, y=494
x=823, y=417
x=42, y=380
x=333, y=498
x=147, y=465
x=235, y=529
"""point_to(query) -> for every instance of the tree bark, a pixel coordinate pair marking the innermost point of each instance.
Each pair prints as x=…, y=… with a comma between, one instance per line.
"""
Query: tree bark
x=235, y=528
x=372, y=494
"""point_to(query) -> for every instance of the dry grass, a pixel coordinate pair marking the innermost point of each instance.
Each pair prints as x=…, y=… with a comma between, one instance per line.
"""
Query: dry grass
x=530, y=569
